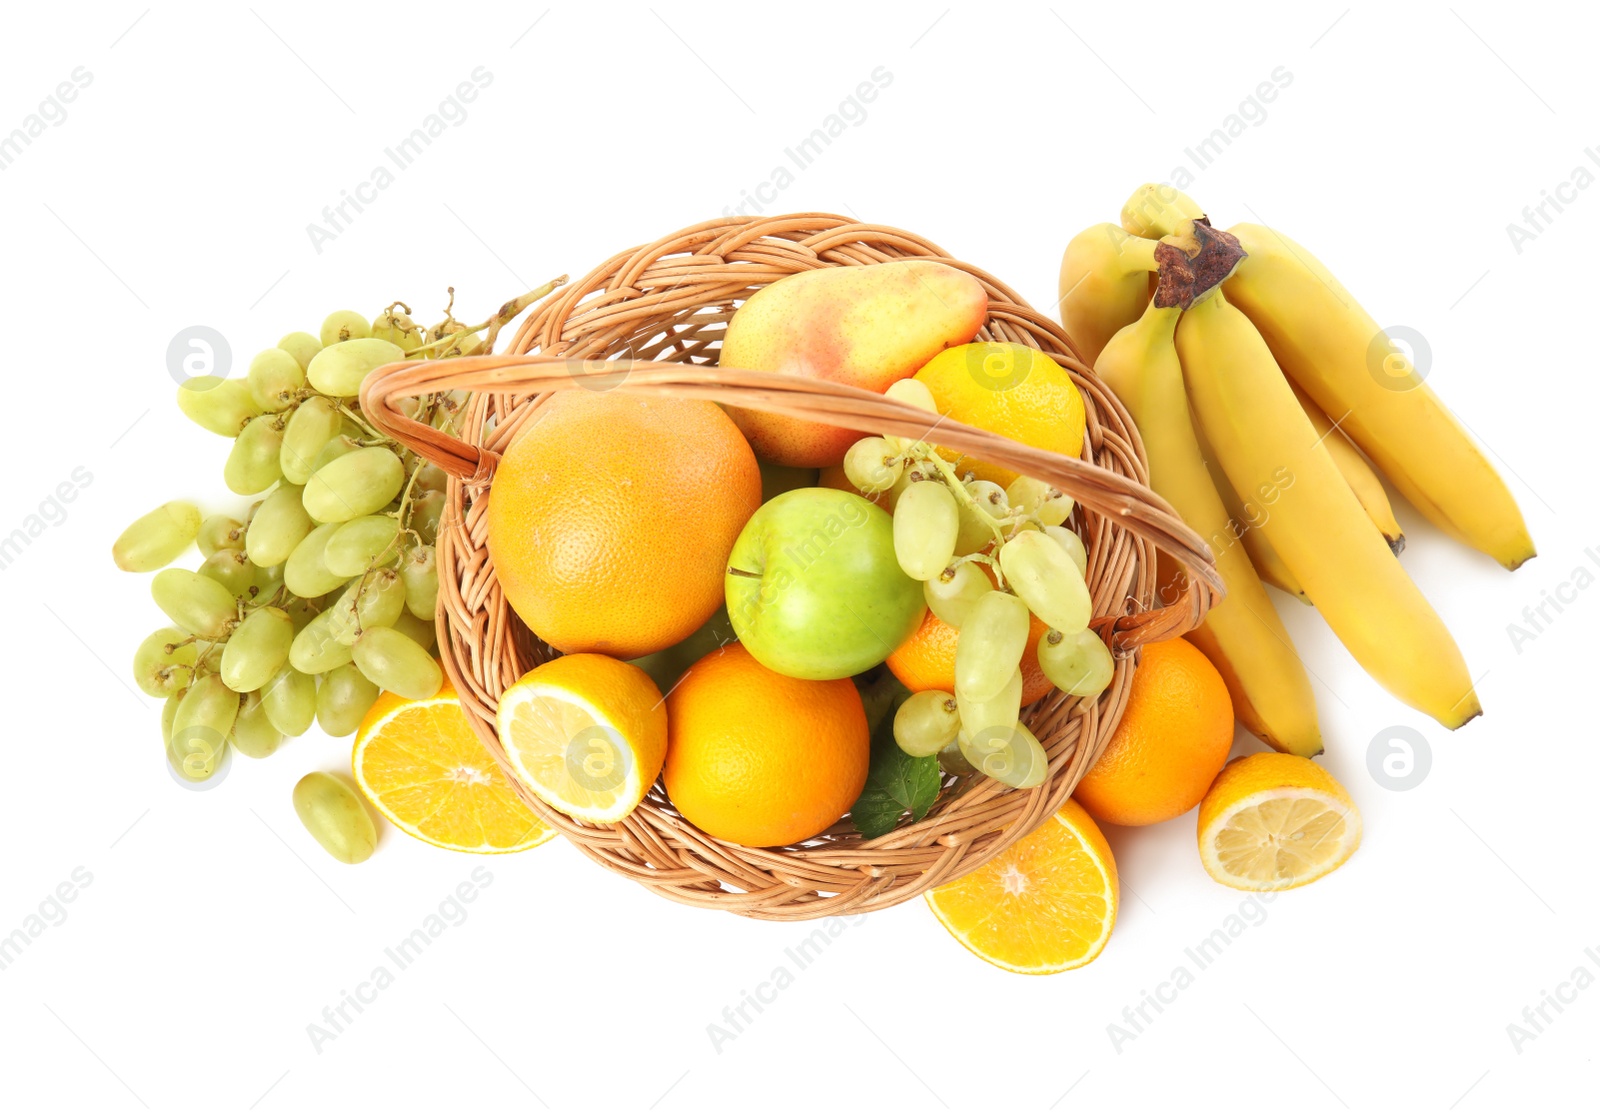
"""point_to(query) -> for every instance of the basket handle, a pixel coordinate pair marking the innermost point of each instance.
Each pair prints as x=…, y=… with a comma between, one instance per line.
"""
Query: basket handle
x=1120, y=500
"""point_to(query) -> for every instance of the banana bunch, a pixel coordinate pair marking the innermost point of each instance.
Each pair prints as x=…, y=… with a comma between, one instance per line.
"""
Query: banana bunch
x=1270, y=403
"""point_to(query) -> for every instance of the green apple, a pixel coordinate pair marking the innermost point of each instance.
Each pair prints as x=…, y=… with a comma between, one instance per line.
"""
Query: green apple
x=814, y=589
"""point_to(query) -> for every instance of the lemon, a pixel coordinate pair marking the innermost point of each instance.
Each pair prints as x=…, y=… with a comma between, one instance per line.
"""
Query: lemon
x=587, y=733
x=1275, y=821
x=1011, y=390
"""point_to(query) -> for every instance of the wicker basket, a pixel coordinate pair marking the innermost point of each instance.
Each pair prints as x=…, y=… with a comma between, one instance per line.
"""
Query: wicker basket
x=650, y=321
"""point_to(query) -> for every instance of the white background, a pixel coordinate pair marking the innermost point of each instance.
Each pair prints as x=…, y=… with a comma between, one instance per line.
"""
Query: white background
x=178, y=190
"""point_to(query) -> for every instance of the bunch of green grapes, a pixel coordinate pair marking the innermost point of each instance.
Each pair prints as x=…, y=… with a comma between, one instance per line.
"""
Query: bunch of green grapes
x=324, y=592
x=946, y=525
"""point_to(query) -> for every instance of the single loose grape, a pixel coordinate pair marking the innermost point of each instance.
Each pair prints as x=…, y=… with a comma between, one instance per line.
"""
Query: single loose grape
x=315, y=421
x=1077, y=663
x=1017, y=760
x=1072, y=544
x=1044, y=576
x=374, y=600
x=925, y=526
x=157, y=538
x=306, y=572
x=990, y=645
x=354, y=485
x=361, y=542
x=253, y=734
x=997, y=714
x=1040, y=500
x=195, y=603
x=257, y=649
x=343, y=698
x=163, y=664
x=218, y=532
x=289, y=701
x=300, y=346
x=278, y=526
x=252, y=465
x=314, y=650
x=397, y=664
x=335, y=817
x=200, y=728
x=420, y=571
x=275, y=378
x=872, y=465
x=220, y=406
x=342, y=326
x=953, y=592
x=341, y=367
x=926, y=723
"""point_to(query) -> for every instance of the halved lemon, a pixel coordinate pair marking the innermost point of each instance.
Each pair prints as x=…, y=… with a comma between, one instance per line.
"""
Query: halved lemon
x=1274, y=822
x=587, y=733
x=420, y=764
x=1045, y=904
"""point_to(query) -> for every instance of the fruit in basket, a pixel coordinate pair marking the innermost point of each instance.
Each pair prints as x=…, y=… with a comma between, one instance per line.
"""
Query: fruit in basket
x=611, y=519
x=1045, y=904
x=587, y=733
x=866, y=326
x=1174, y=736
x=1242, y=635
x=927, y=659
x=813, y=587
x=759, y=758
x=1275, y=822
x=666, y=665
x=421, y=766
x=1011, y=390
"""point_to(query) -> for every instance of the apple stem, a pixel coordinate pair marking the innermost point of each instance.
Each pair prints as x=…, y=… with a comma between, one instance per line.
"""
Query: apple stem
x=746, y=574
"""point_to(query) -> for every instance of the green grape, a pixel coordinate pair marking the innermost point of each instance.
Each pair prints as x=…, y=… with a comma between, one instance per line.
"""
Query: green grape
x=333, y=815
x=218, y=532
x=1044, y=576
x=253, y=734
x=289, y=701
x=211, y=656
x=998, y=713
x=169, y=712
x=426, y=514
x=265, y=586
x=953, y=592
x=397, y=664
x=219, y=406
x=974, y=533
x=275, y=378
x=200, y=728
x=1072, y=544
x=397, y=327
x=421, y=630
x=257, y=649
x=252, y=465
x=335, y=448
x=314, y=650
x=157, y=538
x=304, y=572
x=925, y=527
x=360, y=543
x=1077, y=663
x=302, y=610
x=872, y=465
x=163, y=664
x=278, y=526
x=420, y=570
x=315, y=421
x=990, y=645
x=1039, y=499
x=431, y=477
x=926, y=723
x=913, y=392
x=374, y=600
x=954, y=762
x=195, y=603
x=354, y=485
x=1017, y=760
x=343, y=698
x=300, y=346
x=232, y=569
x=342, y=326
x=340, y=368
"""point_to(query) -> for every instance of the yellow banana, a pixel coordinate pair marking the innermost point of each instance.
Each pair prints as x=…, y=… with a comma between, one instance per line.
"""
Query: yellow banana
x=1248, y=519
x=1256, y=426
x=1156, y=210
x=1358, y=473
x=1105, y=283
x=1242, y=635
x=1334, y=350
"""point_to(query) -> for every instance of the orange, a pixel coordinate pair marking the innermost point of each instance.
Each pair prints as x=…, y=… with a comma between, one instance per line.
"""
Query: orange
x=1174, y=736
x=762, y=759
x=927, y=659
x=611, y=519
x=1045, y=904
x=1274, y=822
x=420, y=764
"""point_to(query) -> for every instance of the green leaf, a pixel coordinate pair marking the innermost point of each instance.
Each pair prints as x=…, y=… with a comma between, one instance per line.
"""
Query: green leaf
x=897, y=783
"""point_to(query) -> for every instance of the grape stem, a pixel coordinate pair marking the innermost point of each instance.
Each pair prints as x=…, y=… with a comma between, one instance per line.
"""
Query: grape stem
x=996, y=526
x=508, y=311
